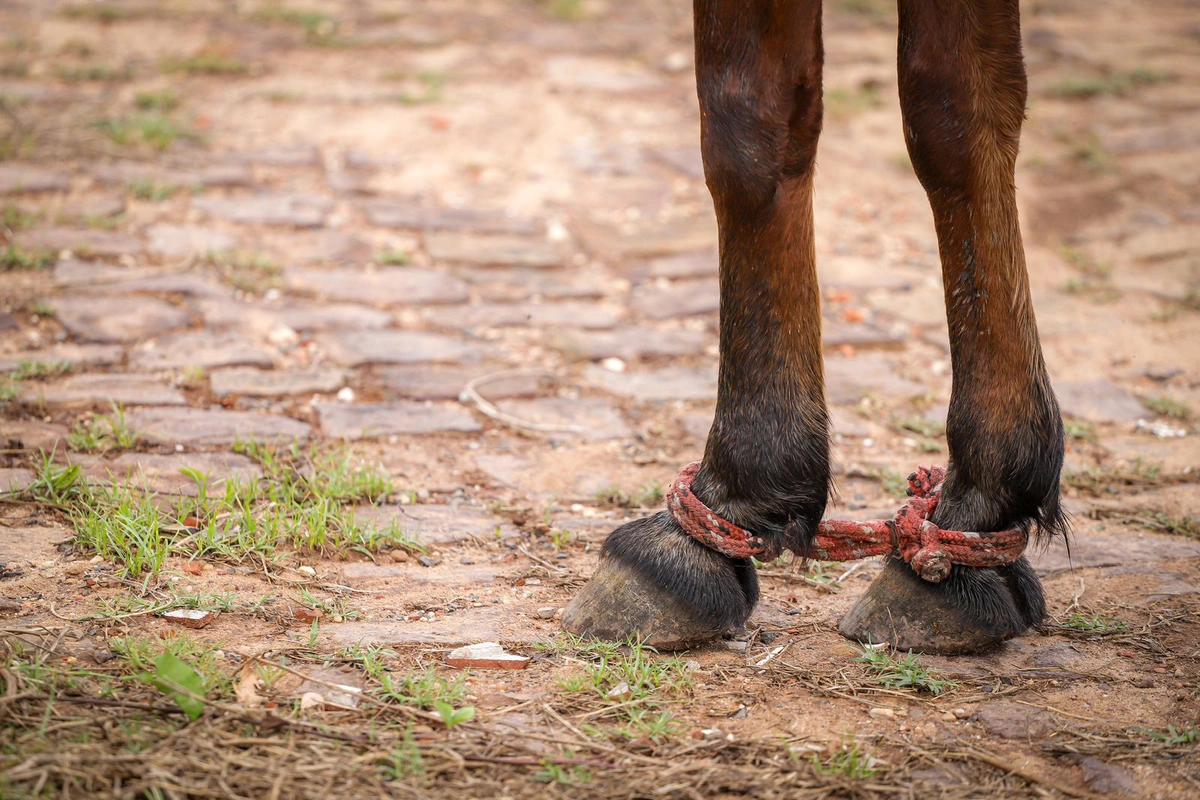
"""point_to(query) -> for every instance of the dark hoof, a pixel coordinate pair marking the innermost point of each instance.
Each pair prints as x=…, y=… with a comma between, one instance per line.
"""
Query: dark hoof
x=657, y=584
x=972, y=610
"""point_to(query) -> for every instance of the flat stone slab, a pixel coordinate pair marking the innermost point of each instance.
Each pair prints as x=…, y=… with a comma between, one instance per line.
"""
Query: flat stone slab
x=414, y=214
x=591, y=316
x=359, y=574
x=631, y=342
x=162, y=471
x=670, y=383
x=182, y=240
x=15, y=479
x=200, y=349
x=275, y=382
x=680, y=299
x=608, y=75
x=468, y=626
x=353, y=348
x=678, y=236
x=1010, y=720
x=73, y=272
x=304, y=317
x=1099, y=401
x=189, y=284
x=290, y=155
x=204, y=427
x=1094, y=546
x=33, y=435
x=446, y=383
x=701, y=264
x=369, y=420
x=861, y=336
x=74, y=354
x=25, y=178
x=492, y=248
x=103, y=388
x=485, y=655
x=589, y=418
x=81, y=241
x=381, y=287
x=438, y=524
x=112, y=318
x=298, y=211
x=513, y=284
x=848, y=380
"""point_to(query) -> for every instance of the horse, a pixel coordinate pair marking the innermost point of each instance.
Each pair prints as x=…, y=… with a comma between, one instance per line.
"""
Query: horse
x=764, y=479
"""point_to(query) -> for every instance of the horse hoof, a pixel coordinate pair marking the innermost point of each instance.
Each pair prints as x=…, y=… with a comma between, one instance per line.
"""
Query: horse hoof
x=971, y=611
x=658, y=585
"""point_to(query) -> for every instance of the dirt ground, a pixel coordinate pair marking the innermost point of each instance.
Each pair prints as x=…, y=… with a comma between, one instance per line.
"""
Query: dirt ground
x=229, y=223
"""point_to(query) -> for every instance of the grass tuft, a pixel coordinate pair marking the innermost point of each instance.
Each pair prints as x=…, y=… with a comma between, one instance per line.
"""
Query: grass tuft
x=901, y=672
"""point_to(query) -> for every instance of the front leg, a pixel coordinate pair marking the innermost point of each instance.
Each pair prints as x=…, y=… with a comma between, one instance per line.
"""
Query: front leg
x=766, y=462
x=962, y=92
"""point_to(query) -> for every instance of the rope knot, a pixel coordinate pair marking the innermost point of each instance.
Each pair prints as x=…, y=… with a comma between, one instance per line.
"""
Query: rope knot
x=928, y=549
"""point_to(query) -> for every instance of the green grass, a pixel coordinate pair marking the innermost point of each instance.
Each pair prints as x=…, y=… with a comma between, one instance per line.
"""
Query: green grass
x=1187, y=734
x=1080, y=429
x=634, y=679
x=1078, y=87
x=29, y=368
x=394, y=258
x=1179, y=526
x=317, y=27
x=425, y=689
x=648, y=496
x=561, y=771
x=143, y=129
x=146, y=189
x=566, y=10
x=14, y=257
x=141, y=653
x=847, y=102
x=1103, y=479
x=848, y=761
x=253, y=273
x=431, y=85
x=1080, y=261
x=103, y=432
x=209, y=63
x=1093, y=623
x=1168, y=407
x=896, y=672
x=404, y=762
x=124, y=526
x=17, y=219
x=163, y=100
x=892, y=482
x=93, y=73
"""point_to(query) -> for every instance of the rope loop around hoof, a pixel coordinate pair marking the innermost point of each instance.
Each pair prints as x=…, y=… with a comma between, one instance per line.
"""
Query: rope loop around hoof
x=930, y=551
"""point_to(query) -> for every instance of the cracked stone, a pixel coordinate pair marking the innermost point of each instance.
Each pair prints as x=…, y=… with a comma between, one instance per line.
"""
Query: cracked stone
x=110, y=318
x=384, y=286
x=275, y=383
x=370, y=420
x=207, y=427
x=354, y=348
x=201, y=349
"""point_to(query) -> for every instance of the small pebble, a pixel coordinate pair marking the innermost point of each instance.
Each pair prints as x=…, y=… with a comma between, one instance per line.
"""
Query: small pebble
x=948, y=716
x=882, y=713
x=546, y=612
x=399, y=556
x=307, y=570
x=428, y=561
x=345, y=395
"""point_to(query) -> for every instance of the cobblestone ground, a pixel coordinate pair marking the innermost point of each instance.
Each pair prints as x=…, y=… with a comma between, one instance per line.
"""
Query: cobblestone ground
x=231, y=222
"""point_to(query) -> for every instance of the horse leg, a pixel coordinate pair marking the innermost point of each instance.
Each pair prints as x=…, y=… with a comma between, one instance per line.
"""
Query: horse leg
x=962, y=92
x=766, y=462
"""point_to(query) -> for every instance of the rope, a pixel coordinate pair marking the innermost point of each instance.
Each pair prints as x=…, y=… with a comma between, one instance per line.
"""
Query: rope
x=928, y=549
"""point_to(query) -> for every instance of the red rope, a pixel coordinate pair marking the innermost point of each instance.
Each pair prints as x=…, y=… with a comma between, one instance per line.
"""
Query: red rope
x=929, y=549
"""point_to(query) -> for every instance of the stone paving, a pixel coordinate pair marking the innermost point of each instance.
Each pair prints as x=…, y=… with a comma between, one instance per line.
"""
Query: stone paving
x=332, y=242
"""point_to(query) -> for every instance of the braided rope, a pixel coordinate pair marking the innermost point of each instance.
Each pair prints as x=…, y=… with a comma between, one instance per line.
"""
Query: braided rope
x=930, y=550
